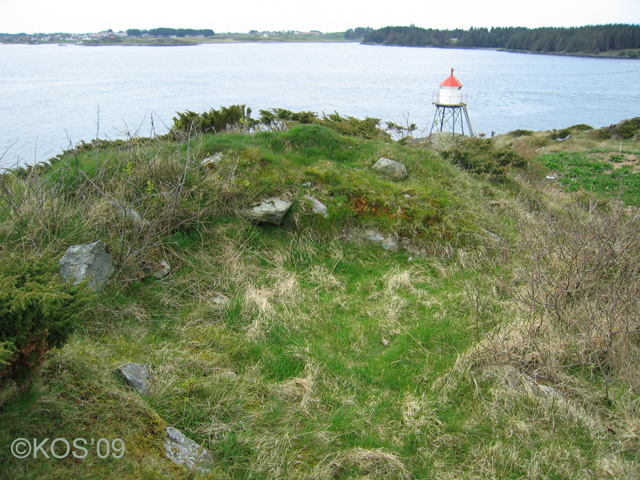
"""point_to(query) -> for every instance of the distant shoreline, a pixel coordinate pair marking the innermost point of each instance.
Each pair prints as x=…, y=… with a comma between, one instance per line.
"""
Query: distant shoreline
x=329, y=38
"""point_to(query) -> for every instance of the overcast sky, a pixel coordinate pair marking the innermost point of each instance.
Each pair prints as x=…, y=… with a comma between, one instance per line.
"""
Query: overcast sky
x=48, y=16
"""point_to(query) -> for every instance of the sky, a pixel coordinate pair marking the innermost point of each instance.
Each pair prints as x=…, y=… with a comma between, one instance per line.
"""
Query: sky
x=81, y=16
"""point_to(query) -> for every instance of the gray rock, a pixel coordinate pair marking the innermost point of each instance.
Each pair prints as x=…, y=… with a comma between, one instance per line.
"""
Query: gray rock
x=184, y=451
x=87, y=261
x=212, y=161
x=270, y=210
x=391, y=168
x=318, y=207
x=137, y=375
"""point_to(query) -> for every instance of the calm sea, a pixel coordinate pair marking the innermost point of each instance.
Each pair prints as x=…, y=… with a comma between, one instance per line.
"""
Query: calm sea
x=52, y=97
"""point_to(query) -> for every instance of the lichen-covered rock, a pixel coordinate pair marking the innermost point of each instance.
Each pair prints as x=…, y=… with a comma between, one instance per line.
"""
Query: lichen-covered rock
x=391, y=168
x=270, y=210
x=90, y=261
x=186, y=452
x=137, y=375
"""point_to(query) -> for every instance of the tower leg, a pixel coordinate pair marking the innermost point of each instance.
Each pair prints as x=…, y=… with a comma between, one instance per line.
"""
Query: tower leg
x=449, y=117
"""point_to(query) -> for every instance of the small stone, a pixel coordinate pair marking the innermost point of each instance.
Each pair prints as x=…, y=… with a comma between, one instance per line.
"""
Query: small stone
x=270, y=210
x=519, y=381
x=385, y=342
x=219, y=299
x=212, y=161
x=392, y=168
x=306, y=184
x=162, y=270
x=228, y=375
x=130, y=213
x=137, y=375
x=318, y=207
x=184, y=451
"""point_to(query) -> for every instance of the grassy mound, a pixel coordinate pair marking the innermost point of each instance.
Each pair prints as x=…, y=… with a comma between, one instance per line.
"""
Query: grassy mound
x=501, y=342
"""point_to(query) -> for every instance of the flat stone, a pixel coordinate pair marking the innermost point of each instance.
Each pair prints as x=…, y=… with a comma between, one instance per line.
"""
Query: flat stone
x=90, y=261
x=184, y=451
x=391, y=168
x=387, y=242
x=270, y=210
x=137, y=375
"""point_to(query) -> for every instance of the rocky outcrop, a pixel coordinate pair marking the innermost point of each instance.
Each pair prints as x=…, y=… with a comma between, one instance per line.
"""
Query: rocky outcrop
x=137, y=375
x=270, y=210
x=90, y=261
x=391, y=168
x=186, y=452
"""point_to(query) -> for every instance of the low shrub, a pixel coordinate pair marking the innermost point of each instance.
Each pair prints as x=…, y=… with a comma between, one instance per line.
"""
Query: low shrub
x=214, y=121
x=478, y=156
x=37, y=312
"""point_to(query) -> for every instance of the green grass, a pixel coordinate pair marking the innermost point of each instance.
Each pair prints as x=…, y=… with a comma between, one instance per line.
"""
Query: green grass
x=581, y=172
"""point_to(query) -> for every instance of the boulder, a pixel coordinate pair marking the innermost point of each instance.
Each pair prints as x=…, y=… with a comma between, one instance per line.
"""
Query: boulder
x=90, y=261
x=317, y=206
x=270, y=210
x=137, y=375
x=184, y=451
x=391, y=168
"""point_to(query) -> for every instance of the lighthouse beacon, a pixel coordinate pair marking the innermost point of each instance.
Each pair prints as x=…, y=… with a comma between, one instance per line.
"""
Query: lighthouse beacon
x=451, y=108
x=449, y=93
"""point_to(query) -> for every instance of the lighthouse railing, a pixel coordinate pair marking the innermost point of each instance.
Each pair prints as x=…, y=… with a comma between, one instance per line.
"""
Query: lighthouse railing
x=435, y=98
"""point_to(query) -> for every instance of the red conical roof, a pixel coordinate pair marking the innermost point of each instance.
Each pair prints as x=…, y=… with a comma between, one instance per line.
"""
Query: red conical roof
x=451, y=81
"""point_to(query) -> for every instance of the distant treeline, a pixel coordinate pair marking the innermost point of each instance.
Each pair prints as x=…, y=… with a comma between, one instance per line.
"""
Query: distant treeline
x=357, y=33
x=588, y=39
x=171, y=32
